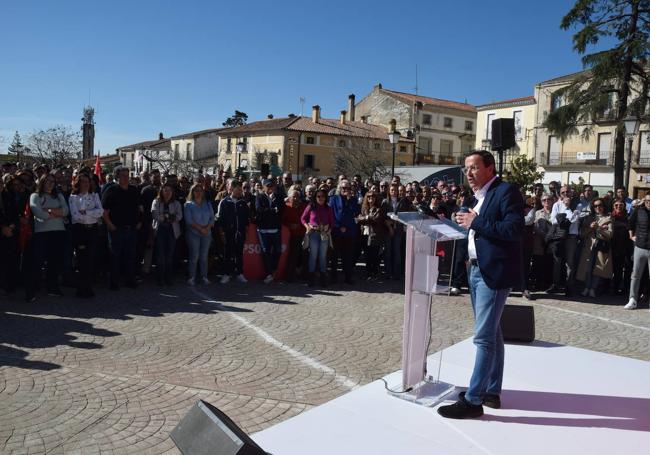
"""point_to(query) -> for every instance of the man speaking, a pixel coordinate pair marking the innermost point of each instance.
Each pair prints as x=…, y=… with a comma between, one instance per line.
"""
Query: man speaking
x=495, y=224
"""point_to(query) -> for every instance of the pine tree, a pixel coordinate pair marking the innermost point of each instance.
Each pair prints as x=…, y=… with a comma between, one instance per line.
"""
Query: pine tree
x=616, y=82
x=16, y=147
x=239, y=119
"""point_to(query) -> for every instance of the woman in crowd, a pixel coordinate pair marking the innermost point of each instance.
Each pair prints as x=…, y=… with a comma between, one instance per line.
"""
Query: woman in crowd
x=166, y=214
x=622, y=249
x=8, y=240
x=310, y=193
x=199, y=219
x=394, y=204
x=293, y=210
x=345, y=233
x=542, y=260
x=49, y=209
x=373, y=220
x=596, y=235
x=85, y=210
x=318, y=220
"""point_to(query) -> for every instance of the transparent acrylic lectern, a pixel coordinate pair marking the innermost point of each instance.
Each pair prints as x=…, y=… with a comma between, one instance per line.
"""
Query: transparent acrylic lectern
x=423, y=236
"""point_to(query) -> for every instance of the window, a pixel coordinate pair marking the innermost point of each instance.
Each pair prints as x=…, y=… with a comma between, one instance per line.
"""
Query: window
x=644, y=148
x=604, y=146
x=517, y=116
x=310, y=162
x=557, y=100
x=446, y=147
x=176, y=149
x=341, y=142
x=426, y=119
x=377, y=146
x=609, y=112
x=488, y=129
x=469, y=125
x=448, y=122
x=425, y=145
x=553, y=150
x=402, y=149
x=310, y=140
x=229, y=145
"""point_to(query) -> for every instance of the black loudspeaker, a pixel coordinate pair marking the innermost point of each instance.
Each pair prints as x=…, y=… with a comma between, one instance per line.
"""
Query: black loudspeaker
x=265, y=170
x=518, y=323
x=503, y=134
x=207, y=431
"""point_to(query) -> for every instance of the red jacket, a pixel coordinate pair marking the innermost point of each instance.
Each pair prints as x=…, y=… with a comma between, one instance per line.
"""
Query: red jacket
x=291, y=219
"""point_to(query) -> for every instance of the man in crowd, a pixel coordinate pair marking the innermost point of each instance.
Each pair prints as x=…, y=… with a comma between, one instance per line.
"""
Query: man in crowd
x=495, y=226
x=639, y=227
x=268, y=208
x=148, y=193
x=122, y=217
x=345, y=232
x=566, y=216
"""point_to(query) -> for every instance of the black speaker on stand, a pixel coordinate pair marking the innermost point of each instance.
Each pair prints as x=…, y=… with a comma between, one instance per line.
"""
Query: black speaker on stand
x=503, y=138
x=205, y=430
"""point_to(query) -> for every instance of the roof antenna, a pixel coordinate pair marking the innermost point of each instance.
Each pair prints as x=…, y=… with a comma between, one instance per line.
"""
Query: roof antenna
x=416, y=78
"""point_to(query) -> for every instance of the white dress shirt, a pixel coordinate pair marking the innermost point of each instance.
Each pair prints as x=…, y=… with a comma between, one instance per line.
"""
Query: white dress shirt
x=480, y=197
x=571, y=215
x=90, y=203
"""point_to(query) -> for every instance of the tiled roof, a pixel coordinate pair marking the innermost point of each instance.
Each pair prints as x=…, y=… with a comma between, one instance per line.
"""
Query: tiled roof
x=262, y=125
x=427, y=101
x=566, y=78
x=198, y=133
x=158, y=143
x=512, y=102
x=336, y=128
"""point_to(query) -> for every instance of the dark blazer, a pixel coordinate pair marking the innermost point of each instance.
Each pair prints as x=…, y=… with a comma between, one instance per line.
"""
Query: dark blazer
x=498, y=236
x=268, y=215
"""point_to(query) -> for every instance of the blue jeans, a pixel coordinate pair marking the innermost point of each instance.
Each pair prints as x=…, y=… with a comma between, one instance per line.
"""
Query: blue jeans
x=198, y=246
x=271, y=250
x=122, y=244
x=317, y=249
x=488, y=366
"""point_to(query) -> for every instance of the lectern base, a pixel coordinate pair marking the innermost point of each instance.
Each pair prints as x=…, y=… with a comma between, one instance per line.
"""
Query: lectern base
x=427, y=393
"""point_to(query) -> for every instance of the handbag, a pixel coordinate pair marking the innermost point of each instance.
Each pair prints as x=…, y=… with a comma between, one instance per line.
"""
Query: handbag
x=25, y=230
x=600, y=245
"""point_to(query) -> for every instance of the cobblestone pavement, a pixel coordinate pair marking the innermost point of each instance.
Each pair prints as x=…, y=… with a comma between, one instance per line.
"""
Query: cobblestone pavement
x=115, y=374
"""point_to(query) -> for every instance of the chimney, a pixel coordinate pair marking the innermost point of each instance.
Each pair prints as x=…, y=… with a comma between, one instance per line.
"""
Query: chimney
x=378, y=86
x=315, y=113
x=160, y=136
x=270, y=116
x=343, y=113
x=351, y=109
x=393, y=125
x=364, y=119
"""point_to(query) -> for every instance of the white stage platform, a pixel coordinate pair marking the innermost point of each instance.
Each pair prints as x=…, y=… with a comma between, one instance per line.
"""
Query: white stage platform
x=556, y=400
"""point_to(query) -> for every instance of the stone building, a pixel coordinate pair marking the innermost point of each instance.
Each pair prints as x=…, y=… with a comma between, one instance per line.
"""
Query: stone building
x=443, y=130
x=307, y=146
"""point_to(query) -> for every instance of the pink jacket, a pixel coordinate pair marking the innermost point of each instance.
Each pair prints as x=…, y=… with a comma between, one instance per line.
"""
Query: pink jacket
x=316, y=215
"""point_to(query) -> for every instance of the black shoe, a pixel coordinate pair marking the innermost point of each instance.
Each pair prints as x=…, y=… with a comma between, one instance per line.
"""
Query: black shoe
x=527, y=295
x=30, y=298
x=349, y=281
x=489, y=399
x=324, y=279
x=552, y=290
x=462, y=409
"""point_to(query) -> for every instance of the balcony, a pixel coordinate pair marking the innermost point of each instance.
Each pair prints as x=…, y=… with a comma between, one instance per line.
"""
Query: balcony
x=579, y=158
x=435, y=158
x=643, y=161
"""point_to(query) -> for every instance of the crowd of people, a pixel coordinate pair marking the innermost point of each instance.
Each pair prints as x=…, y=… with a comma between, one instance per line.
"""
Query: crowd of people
x=72, y=227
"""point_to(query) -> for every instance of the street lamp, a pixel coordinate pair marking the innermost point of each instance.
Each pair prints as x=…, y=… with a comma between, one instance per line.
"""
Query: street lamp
x=631, y=124
x=393, y=137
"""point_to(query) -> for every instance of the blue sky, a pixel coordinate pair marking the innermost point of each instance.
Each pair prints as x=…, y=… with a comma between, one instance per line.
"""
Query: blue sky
x=179, y=66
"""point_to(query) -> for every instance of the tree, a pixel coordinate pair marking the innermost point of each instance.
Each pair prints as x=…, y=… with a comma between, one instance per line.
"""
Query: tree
x=616, y=78
x=17, y=147
x=361, y=158
x=239, y=119
x=57, y=146
x=523, y=172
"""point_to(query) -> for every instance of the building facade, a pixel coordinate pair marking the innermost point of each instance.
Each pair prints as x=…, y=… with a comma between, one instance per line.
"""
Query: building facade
x=443, y=131
x=522, y=110
x=307, y=146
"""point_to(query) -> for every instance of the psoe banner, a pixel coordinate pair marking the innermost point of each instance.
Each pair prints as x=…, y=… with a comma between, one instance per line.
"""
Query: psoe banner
x=253, y=264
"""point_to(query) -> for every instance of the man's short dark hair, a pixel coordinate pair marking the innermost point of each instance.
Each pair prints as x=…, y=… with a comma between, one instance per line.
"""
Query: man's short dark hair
x=120, y=168
x=486, y=157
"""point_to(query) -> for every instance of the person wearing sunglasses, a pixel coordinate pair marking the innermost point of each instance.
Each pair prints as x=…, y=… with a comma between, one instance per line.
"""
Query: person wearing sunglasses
x=639, y=230
x=373, y=222
x=542, y=261
x=345, y=232
x=318, y=220
x=622, y=248
x=595, y=262
x=395, y=203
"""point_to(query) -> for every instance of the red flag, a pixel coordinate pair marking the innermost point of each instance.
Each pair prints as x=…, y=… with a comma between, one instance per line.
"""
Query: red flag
x=98, y=170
